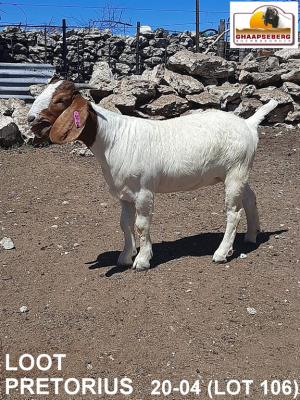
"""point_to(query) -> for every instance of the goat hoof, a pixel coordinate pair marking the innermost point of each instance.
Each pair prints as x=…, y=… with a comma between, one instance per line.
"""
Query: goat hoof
x=219, y=262
x=250, y=238
x=219, y=259
x=124, y=265
x=140, y=265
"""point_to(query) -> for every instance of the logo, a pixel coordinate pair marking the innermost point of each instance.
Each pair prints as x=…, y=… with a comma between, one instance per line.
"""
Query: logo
x=263, y=25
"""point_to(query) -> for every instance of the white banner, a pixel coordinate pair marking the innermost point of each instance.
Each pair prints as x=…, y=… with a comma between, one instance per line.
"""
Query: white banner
x=260, y=24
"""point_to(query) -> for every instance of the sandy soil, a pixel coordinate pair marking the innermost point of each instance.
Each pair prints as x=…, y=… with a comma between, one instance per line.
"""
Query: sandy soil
x=184, y=319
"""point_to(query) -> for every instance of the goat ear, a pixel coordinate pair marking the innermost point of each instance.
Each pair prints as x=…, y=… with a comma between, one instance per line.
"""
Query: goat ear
x=71, y=122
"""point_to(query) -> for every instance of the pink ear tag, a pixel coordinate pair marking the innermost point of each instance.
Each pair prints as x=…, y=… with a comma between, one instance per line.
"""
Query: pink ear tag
x=77, y=119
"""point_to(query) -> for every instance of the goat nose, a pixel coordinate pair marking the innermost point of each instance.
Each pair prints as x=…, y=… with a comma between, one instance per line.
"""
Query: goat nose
x=30, y=118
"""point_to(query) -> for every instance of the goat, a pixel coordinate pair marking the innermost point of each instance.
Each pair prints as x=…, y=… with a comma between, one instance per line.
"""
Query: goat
x=272, y=16
x=142, y=157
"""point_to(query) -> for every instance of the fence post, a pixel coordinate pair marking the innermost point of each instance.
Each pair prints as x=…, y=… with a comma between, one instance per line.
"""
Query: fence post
x=64, y=50
x=45, y=36
x=242, y=53
x=197, y=26
x=221, y=42
x=137, y=50
x=78, y=62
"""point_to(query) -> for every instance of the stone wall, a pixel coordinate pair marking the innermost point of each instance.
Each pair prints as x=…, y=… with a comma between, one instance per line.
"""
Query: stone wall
x=85, y=47
x=191, y=83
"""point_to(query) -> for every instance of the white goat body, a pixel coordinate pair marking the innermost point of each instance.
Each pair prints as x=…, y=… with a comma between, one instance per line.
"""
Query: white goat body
x=142, y=157
x=174, y=155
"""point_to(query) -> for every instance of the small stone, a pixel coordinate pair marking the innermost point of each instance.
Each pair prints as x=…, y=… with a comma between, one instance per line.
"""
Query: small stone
x=7, y=243
x=24, y=309
x=243, y=255
x=65, y=202
x=251, y=310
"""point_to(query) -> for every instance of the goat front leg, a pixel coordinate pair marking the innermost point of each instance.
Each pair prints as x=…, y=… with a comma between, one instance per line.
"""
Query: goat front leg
x=144, y=212
x=127, y=226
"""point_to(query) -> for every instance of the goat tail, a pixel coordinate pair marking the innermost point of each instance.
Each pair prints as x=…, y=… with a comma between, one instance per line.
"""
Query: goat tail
x=261, y=113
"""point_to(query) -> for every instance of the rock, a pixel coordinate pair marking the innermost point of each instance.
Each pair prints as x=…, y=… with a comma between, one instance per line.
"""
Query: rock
x=251, y=310
x=154, y=75
x=291, y=76
x=83, y=152
x=247, y=107
x=164, y=89
x=285, y=54
x=102, y=79
x=36, y=90
x=250, y=63
x=24, y=309
x=8, y=106
x=293, y=115
x=139, y=88
x=285, y=103
x=227, y=92
x=200, y=64
x=9, y=132
x=291, y=88
x=271, y=92
x=183, y=84
x=7, y=243
x=122, y=69
x=266, y=78
x=245, y=77
x=204, y=99
x=269, y=65
x=248, y=91
x=20, y=119
x=122, y=102
x=167, y=106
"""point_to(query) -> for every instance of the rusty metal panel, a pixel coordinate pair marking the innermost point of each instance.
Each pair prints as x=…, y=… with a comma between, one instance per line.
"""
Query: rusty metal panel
x=15, y=79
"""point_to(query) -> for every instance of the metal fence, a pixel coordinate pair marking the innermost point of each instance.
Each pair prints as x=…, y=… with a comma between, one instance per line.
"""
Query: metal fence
x=15, y=79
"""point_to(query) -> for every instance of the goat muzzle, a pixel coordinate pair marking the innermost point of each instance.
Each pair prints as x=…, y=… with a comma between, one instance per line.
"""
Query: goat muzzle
x=41, y=128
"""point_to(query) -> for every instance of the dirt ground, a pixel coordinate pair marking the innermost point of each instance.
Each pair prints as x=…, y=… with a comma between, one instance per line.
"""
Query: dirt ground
x=186, y=320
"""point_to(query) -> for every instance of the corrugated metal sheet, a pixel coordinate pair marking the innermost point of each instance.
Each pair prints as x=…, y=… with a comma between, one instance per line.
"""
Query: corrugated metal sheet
x=15, y=79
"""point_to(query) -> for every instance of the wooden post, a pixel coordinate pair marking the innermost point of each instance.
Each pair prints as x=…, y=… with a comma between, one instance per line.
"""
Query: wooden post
x=221, y=42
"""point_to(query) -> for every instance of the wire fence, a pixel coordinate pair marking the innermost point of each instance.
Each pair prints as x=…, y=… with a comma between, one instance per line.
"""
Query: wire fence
x=70, y=61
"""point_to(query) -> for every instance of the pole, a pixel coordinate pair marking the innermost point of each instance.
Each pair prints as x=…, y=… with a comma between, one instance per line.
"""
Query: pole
x=64, y=49
x=197, y=26
x=45, y=37
x=137, y=68
x=221, y=43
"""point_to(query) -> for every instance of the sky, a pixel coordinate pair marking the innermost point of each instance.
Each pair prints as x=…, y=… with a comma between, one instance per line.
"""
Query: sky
x=175, y=15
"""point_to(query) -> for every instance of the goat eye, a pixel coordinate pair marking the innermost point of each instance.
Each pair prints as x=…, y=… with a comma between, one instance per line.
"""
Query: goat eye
x=59, y=101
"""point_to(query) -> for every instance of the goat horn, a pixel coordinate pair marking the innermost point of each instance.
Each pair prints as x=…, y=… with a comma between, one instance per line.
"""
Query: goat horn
x=81, y=86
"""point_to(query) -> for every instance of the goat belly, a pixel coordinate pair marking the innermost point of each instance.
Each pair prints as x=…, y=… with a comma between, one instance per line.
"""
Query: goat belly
x=170, y=183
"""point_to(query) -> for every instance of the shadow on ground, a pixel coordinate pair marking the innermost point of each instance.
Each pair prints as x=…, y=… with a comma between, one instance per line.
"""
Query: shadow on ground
x=204, y=244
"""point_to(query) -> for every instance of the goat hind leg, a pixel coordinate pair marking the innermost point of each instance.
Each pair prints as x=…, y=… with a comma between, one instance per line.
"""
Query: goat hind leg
x=144, y=211
x=127, y=226
x=234, y=194
x=249, y=204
